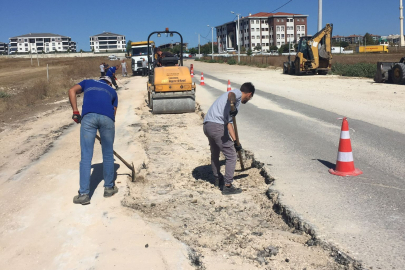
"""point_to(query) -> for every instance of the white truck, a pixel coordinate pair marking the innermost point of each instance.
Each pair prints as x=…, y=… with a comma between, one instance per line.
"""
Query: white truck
x=139, y=51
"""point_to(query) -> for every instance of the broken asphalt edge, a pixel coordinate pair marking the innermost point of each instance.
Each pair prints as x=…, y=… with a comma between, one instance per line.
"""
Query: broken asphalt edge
x=293, y=219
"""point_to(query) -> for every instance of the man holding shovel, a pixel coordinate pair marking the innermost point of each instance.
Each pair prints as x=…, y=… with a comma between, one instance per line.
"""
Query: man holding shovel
x=219, y=130
x=100, y=103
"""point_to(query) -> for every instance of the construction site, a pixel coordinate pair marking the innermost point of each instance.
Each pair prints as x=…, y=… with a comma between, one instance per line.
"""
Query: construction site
x=157, y=159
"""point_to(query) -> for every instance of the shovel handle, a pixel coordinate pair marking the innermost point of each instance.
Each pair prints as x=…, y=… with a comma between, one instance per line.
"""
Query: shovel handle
x=118, y=156
x=235, y=127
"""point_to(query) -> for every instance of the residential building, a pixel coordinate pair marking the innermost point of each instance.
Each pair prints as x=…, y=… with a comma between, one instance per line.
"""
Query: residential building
x=3, y=48
x=108, y=42
x=170, y=45
x=353, y=39
x=40, y=42
x=376, y=38
x=263, y=29
x=337, y=39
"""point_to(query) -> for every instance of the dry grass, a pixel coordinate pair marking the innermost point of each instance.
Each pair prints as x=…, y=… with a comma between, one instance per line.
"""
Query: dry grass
x=23, y=85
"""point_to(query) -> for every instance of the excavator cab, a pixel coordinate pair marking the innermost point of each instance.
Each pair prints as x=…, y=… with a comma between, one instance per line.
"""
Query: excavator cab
x=314, y=54
x=170, y=87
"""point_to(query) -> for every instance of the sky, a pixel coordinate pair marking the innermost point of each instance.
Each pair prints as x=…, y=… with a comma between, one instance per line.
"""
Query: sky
x=137, y=19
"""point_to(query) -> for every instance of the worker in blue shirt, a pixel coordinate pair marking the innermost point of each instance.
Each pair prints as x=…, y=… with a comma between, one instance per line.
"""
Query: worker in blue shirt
x=111, y=73
x=100, y=104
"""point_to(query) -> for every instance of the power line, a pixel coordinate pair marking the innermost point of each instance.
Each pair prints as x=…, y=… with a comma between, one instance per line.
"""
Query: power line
x=281, y=6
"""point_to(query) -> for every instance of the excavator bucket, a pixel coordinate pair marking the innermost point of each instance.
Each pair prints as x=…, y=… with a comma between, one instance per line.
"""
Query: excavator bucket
x=382, y=73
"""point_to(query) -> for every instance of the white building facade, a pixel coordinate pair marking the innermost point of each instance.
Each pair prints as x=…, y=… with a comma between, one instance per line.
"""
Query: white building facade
x=260, y=31
x=41, y=43
x=108, y=42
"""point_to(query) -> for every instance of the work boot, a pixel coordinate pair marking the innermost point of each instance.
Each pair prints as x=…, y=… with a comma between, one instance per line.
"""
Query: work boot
x=230, y=190
x=219, y=181
x=109, y=191
x=82, y=199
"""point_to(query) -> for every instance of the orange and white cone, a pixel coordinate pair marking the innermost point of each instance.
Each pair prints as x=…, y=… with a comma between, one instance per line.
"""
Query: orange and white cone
x=202, y=79
x=191, y=70
x=345, y=163
x=229, y=86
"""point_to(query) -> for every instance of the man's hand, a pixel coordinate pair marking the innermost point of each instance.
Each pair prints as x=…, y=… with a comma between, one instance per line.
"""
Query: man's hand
x=76, y=117
x=234, y=112
x=237, y=147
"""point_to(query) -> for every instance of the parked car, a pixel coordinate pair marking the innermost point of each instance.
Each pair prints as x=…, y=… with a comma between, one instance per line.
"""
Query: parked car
x=113, y=57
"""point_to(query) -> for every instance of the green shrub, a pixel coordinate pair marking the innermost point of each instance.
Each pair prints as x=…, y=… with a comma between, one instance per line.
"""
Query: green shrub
x=197, y=59
x=4, y=94
x=354, y=70
x=220, y=61
x=231, y=61
x=212, y=61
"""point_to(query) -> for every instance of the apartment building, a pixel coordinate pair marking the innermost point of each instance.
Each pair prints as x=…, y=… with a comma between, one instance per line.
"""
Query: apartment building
x=3, y=48
x=353, y=39
x=107, y=42
x=263, y=29
x=170, y=45
x=40, y=42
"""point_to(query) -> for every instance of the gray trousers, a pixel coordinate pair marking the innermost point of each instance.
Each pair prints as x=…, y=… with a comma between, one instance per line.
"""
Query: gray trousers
x=219, y=140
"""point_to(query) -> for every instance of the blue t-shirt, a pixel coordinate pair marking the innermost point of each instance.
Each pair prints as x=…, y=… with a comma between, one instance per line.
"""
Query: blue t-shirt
x=99, y=98
x=219, y=110
x=111, y=71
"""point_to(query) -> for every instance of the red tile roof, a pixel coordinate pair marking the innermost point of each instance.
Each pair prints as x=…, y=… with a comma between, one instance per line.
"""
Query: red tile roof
x=266, y=14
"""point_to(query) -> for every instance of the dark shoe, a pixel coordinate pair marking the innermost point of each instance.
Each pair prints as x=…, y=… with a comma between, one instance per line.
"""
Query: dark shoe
x=230, y=190
x=219, y=181
x=82, y=199
x=109, y=191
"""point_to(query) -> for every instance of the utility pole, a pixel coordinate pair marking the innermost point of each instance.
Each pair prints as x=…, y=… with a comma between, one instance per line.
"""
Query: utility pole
x=212, y=42
x=237, y=37
x=319, y=15
x=401, y=19
x=199, y=53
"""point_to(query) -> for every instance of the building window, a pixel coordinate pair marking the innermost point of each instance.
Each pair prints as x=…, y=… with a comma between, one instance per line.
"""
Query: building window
x=278, y=28
x=19, y=39
x=263, y=37
x=278, y=43
x=282, y=28
x=257, y=21
x=302, y=27
x=298, y=28
x=278, y=36
x=257, y=29
x=282, y=20
x=267, y=44
x=253, y=44
x=253, y=37
x=267, y=36
x=266, y=29
x=282, y=35
x=278, y=20
x=258, y=37
x=53, y=39
x=263, y=44
x=262, y=29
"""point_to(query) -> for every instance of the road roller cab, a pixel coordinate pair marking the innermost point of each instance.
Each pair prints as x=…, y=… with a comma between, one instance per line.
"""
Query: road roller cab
x=170, y=87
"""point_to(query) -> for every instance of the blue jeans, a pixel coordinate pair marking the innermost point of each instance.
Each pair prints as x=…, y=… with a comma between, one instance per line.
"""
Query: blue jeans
x=92, y=122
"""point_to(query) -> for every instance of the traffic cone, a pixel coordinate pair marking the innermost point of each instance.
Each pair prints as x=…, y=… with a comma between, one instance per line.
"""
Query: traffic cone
x=345, y=163
x=192, y=70
x=202, y=79
x=229, y=86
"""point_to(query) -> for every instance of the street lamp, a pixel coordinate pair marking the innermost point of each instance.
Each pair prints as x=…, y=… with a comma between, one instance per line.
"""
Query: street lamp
x=212, y=42
x=237, y=36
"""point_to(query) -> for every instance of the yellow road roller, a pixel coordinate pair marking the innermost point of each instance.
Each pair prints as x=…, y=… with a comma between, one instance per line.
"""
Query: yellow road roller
x=170, y=87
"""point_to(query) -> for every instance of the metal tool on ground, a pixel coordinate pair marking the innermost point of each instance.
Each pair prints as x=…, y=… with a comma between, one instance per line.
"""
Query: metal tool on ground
x=170, y=86
x=391, y=72
x=237, y=137
x=131, y=167
x=229, y=86
x=345, y=163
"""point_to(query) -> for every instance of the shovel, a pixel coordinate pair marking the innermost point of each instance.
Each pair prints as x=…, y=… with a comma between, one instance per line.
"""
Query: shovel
x=237, y=137
x=123, y=161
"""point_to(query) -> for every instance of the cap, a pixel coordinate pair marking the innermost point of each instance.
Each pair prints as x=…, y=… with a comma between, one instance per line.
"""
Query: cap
x=108, y=79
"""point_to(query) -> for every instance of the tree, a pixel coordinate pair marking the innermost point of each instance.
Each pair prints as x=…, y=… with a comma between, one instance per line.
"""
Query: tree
x=243, y=49
x=176, y=49
x=284, y=48
x=258, y=47
x=273, y=48
x=249, y=52
x=344, y=44
x=369, y=39
x=81, y=50
x=128, y=48
x=193, y=50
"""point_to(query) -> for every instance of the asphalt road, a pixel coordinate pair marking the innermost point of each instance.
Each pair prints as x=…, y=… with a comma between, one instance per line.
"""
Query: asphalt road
x=362, y=215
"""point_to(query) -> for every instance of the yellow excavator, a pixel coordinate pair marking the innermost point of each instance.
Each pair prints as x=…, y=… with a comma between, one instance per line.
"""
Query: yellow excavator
x=170, y=87
x=314, y=55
